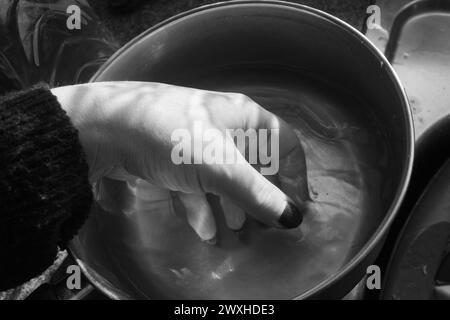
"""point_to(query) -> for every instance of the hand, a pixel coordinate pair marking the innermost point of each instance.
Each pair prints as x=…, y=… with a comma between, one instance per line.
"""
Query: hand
x=143, y=129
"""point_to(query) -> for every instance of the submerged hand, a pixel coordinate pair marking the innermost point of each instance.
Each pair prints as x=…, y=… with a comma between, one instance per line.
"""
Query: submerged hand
x=187, y=141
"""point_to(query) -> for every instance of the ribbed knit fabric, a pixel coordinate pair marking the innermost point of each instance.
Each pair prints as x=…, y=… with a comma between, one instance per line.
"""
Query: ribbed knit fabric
x=45, y=194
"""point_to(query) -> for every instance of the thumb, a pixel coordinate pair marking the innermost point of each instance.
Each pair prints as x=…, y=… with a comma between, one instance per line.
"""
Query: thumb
x=251, y=191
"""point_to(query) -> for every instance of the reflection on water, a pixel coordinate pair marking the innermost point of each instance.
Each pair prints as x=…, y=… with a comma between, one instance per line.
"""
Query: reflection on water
x=163, y=258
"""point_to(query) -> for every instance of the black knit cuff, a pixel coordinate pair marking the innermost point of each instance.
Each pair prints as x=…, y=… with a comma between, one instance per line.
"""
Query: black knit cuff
x=44, y=189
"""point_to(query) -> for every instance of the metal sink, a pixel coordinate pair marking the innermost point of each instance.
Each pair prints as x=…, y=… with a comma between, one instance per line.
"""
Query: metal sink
x=415, y=37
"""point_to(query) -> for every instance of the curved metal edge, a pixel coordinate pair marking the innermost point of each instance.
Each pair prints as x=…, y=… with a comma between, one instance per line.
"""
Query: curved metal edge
x=414, y=227
x=404, y=15
x=382, y=230
x=94, y=281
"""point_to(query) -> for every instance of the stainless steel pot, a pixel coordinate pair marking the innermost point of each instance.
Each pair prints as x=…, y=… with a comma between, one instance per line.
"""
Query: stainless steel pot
x=303, y=64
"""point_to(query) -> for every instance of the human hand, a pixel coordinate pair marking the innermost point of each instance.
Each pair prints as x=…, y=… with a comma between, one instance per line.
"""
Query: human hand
x=143, y=129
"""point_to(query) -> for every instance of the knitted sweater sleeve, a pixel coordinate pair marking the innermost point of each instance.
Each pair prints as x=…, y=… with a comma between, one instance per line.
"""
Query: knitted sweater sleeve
x=44, y=189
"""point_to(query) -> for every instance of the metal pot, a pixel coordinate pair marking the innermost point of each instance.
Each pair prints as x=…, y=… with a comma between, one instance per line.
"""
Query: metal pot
x=304, y=64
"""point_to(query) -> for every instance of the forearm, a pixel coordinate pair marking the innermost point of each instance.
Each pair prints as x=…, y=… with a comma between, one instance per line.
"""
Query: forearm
x=44, y=189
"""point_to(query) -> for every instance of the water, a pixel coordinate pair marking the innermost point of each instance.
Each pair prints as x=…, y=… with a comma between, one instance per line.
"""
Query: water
x=156, y=255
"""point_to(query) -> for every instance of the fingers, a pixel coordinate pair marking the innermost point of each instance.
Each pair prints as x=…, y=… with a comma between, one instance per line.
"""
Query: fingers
x=282, y=162
x=150, y=198
x=253, y=193
x=292, y=163
x=234, y=215
x=199, y=215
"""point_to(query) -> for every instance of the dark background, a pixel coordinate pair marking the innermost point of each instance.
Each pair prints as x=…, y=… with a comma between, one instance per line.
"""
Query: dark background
x=127, y=22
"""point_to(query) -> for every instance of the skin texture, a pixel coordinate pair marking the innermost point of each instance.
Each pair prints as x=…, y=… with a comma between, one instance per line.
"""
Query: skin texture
x=125, y=129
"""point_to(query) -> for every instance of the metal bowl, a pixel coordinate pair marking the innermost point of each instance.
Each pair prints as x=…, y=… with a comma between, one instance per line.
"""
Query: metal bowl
x=349, y=111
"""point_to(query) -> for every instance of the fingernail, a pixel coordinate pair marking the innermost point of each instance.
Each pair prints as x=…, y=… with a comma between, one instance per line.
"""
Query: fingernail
x=211, y=241
x=291, y=217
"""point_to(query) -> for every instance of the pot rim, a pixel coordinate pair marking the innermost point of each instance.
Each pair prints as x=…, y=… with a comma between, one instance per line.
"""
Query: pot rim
x=382, y=229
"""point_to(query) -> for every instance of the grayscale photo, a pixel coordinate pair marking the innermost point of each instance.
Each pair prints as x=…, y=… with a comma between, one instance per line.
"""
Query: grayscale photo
x=225, y=158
